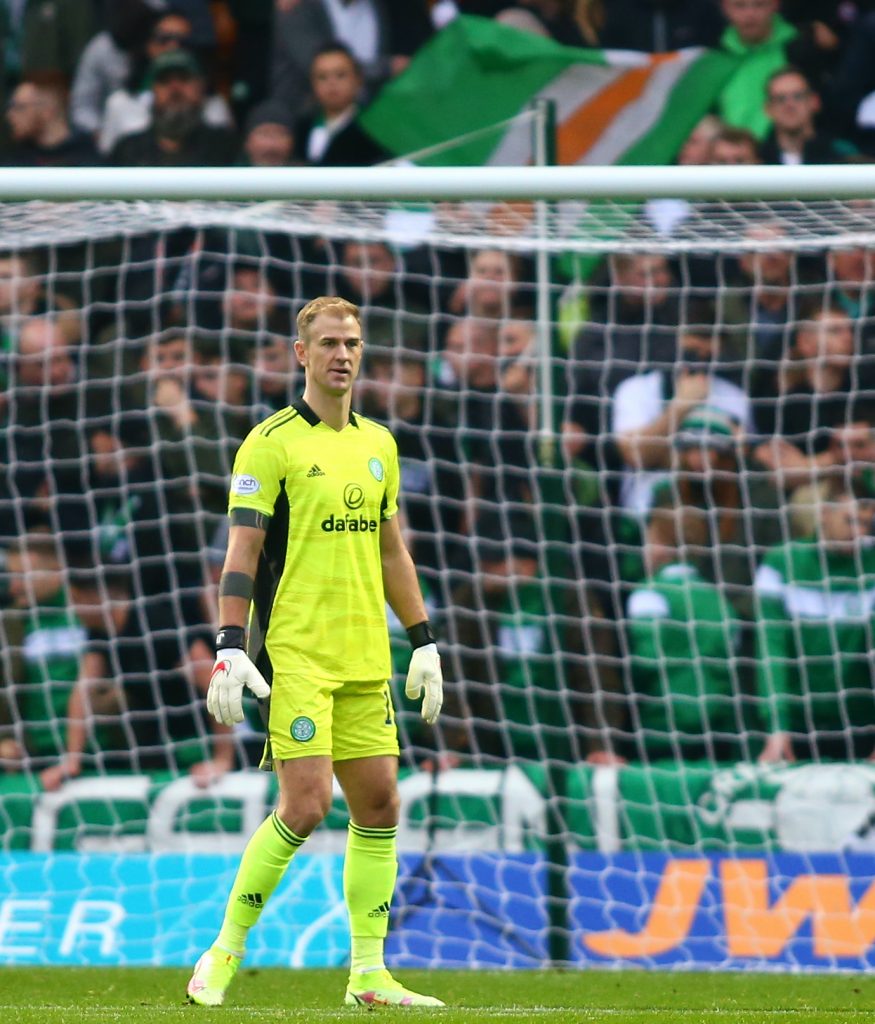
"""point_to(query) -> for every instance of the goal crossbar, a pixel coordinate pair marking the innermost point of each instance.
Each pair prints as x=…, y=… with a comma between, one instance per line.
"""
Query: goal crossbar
x=438, y=183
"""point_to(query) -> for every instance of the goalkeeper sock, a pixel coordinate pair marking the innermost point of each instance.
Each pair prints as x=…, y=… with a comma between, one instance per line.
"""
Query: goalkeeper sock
x=262, y=867
x=369, y=873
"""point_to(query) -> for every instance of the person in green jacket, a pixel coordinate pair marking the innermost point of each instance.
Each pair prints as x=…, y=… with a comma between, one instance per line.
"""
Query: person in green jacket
x=757, y=36
x=45, y=644
x=532, y=662
x=682, y=633
x=816, y=598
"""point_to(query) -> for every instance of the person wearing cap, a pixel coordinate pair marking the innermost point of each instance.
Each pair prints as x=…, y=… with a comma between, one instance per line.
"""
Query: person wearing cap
x=269, y=139
x=128, y=108
x=178, y=134
x=711, y=473
x=682, y=634
x=646, y=409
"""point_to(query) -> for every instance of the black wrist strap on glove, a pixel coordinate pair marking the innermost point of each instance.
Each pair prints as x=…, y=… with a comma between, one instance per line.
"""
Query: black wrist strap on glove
x=420, y=635
x=231, y=636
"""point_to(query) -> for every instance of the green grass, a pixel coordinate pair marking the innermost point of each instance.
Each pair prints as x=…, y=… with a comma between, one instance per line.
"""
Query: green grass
x=51, y=995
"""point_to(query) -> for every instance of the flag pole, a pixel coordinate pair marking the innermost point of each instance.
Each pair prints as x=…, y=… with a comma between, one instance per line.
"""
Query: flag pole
x=544, y=155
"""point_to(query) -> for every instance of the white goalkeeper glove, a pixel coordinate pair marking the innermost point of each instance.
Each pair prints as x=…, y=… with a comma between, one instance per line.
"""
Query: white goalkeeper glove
x=232, y=671
x=424, y=676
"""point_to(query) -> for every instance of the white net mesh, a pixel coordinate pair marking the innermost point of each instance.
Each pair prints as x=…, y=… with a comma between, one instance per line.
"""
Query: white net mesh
x=647, y=567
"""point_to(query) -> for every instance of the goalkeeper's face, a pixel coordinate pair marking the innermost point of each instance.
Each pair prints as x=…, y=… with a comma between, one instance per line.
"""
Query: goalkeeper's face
x=331, y=353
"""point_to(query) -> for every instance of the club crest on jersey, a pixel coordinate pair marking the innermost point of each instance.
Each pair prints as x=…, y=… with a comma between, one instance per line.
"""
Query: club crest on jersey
x=243, y=483
x=376, y=468
x=303, y=729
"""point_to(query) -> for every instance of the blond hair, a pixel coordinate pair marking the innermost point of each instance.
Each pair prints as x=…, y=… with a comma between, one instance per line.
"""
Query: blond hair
x=333, y=304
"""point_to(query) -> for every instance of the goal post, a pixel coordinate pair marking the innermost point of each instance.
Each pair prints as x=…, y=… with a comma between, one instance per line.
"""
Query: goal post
x=400, y=184
x=642, y=579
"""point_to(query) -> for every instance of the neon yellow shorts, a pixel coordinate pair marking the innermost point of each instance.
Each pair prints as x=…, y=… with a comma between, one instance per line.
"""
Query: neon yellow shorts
x=326, y=716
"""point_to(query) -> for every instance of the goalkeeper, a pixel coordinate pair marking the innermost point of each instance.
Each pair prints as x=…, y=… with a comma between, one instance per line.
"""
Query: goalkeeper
x=314, y=553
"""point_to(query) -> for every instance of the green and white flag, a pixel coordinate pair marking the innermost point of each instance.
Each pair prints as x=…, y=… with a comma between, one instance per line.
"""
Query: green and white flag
x=475, y=77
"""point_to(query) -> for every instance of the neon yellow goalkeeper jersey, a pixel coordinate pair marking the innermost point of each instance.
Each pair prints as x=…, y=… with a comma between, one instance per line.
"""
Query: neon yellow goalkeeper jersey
x=318, y=607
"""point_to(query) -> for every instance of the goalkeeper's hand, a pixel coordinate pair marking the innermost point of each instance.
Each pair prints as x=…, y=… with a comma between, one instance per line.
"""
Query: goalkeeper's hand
x=233, y=670
x=424, y=677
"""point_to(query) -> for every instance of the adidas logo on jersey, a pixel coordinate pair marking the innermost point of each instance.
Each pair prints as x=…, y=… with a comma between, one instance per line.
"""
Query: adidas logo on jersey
x=381, y=911
x=251, y=899
x=315, y=471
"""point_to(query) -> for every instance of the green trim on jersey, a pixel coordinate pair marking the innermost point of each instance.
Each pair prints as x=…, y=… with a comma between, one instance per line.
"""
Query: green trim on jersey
x=319, y=607
x=814, y=629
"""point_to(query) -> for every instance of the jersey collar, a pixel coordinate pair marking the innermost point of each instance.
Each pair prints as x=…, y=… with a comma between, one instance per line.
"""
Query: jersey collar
x=306, y=411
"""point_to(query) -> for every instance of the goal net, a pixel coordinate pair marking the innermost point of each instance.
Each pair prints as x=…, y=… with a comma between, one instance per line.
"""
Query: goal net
x=637, y=447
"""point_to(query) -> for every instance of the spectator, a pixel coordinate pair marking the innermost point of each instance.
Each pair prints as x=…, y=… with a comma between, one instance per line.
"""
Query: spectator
x=666, y=215
x=433, y=488
x=740, y=507
x=809, y=394
x=554, y=19
x=412, y=24
x=20, y=297
x=201, y=417
x=850, y=272
x=682, y=636
x=659, y=26
x=42, y=137
x=217, y=290
x=734, y=147
x=178, y=135
x=467, y=379
x=40, y=626
x=275, y=370
x=106, y=61
x=633, y=328
x=853, y=448
x=503, y=619
x=301, y=29
x=146, y=673
x=826, y=29
x=493, y=289
x=814, y=669
x=371, y=277
x=54, y=34
x=330, y=136
x=38, y=431
x=250, y=305
x=793, y=105
x=696, y=151
x=648, y=408
x=116, y=506
x=759, y=298
x=758, y=36
x=270, y=139
x=128, y=110
x=853, y=87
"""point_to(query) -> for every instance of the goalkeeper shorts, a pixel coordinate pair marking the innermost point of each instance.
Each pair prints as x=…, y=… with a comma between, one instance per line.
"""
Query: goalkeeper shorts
x=344, y=720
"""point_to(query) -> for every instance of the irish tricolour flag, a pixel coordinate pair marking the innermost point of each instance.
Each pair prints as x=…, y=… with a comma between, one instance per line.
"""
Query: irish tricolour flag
x=474, y=79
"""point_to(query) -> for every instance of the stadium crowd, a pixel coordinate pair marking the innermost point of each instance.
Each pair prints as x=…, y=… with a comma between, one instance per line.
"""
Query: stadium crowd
x=687, y=575
x=187, y=83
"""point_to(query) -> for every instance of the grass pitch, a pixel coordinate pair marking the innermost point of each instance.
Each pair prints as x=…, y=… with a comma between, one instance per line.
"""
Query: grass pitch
x=52, y=995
